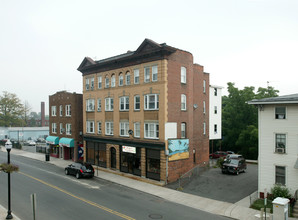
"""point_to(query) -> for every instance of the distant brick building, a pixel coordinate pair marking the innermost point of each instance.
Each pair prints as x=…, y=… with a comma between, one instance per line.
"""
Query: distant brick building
x=66, y=124
x=146, y=112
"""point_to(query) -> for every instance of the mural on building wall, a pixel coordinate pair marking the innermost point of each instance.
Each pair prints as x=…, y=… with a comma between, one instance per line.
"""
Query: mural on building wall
x=178, y=149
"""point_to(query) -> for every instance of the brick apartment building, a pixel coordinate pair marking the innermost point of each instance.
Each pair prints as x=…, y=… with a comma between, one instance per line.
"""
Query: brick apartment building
x=66, y=125
x=146, y=112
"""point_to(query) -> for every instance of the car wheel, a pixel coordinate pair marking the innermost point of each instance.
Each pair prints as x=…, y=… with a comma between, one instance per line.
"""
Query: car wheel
x=78, y=176
x=223, y=171
x=66, y=172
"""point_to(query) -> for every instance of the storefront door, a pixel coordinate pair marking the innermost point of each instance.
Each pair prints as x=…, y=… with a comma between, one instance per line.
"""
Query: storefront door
x=113, y=158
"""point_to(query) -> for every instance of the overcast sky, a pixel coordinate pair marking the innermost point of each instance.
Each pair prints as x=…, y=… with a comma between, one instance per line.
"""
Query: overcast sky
x=248, y=42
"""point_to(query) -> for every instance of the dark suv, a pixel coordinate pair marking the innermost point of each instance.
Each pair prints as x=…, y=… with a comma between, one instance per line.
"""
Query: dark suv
x=80, y=170
x=234, y=165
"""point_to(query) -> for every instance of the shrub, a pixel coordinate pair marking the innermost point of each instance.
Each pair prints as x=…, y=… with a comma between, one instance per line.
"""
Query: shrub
x=220, y=161
x=9, y=168
x=280, y=191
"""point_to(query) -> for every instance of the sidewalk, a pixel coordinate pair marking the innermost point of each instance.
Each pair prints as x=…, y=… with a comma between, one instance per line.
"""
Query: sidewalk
x=235, y=211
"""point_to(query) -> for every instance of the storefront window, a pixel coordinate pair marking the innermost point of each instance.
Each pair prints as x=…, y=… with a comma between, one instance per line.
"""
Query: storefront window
x=153, y=164
x=131, y=161
x=96, y=154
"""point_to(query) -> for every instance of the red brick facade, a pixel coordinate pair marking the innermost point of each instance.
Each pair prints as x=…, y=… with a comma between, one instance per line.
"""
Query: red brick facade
x=193, y=117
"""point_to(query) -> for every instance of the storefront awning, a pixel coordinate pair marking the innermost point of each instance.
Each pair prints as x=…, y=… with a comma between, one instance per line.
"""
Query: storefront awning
x=296, y=164
x=68, y=142
x=52, y=140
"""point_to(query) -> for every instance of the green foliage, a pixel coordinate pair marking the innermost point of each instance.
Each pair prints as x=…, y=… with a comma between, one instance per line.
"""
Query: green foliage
x=11, y=110
x=240, y=120
x=220, y=161
x=9, y=168
x=259, y=203
x=279, y=190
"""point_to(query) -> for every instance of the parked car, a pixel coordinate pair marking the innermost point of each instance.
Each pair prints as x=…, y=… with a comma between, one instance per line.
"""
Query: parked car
x=32, y=143
x=230, y=152
x=80, y=170
x=218, y=154
x=234, y=165
x=234, y=156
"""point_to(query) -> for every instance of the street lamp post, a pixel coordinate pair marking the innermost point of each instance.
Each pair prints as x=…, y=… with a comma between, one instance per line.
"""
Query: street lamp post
x=8, y=147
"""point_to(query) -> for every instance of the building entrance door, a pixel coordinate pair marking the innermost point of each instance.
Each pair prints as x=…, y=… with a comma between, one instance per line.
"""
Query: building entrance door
x=113, y=158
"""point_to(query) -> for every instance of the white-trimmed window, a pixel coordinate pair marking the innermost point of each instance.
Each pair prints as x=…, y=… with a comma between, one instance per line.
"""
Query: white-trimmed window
x=137, y=129
x=280, y=143
x=215, y=109
x=183, y=102
x=183, y=130
x=151, y=102
x=147, y=74
x=53, y=110
x=90, y=105
x=90, y=127
x=61, y=110
x=127, y=78
x=151, y=130
x=215, y=129
x=124, y=103
x=87, y=84
x=204, y=86
x=137, y=102
x=204, y=128
x=215, y=91
x=109, y=128
x=68, y=129
x=61, y=128
x=92, y=83
x=99, y=105
x=183, y=74
x=124, y=127
x=109, y=104
x=113, y=80
x=154, y=73
x=54, y=128
x=121, y=79
x=99, y=127
x=107, y=82
x=68, y=110
x=99, y=82
x=136, y=74
x=204, y=107
x=280, y=175
x=280, y=112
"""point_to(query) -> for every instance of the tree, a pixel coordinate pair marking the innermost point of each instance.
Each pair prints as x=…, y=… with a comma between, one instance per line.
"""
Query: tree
x=240, y=120
x=11, y=110
x=27, y=109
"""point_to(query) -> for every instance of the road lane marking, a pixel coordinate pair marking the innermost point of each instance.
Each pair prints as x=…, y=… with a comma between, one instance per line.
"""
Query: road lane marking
x=65, y=177
x=79, y=198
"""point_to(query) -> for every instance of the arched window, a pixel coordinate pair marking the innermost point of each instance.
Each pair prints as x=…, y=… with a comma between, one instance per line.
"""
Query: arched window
x=120, y=79
x=113, y=80
x=127, y=78
x=183, y=74
x=107, y=82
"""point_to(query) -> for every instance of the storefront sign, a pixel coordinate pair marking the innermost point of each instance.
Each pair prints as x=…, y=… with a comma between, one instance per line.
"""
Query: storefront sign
x=128, y=149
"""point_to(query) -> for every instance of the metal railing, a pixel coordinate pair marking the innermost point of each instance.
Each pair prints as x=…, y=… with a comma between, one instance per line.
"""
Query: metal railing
x=188, y=176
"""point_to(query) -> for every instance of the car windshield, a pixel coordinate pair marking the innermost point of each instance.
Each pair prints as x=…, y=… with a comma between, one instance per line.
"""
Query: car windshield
x=231, y=161
x=86, y=166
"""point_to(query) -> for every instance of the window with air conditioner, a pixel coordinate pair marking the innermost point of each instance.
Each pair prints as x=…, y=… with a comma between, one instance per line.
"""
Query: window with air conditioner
x=280, y=143
x=280, y=112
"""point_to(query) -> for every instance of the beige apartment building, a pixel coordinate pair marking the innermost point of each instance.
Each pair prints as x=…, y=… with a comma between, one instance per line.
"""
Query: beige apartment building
x=146, y=112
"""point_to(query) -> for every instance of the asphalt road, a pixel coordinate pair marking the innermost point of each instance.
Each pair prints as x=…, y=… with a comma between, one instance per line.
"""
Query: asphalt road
x=64, y=197
x=223, y=187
